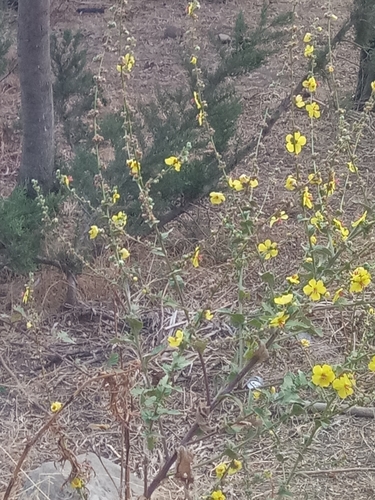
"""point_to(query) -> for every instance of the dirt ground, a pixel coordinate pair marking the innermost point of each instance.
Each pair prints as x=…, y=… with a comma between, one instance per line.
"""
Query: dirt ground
x=38, y=369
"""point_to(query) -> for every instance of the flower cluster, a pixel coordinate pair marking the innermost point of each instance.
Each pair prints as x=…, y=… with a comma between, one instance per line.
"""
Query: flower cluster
x=324, y=376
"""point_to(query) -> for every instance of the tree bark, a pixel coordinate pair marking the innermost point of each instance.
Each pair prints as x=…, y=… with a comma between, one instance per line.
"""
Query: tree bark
x=34, y=63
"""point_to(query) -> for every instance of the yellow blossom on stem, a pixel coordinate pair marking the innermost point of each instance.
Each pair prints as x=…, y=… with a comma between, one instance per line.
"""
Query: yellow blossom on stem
x=76, y=483
x=338, y=294
x=124, y=253
x=307, y=198
x=315, y=178
x=29, y=325
x=256, y=395
x=119, y=220
x=314, y=289
x=279, y=217
x=196, y=257
x=310, y=84
x=307, y=38
x=200, y=117
x=360, y=220
x=313, y=110
x=309, y=50
x=330, y=68
x=283, y=299
x=352, y=168
x=305, y=343
x=94, y=231
x=313, y=239
x=317, y=220
x=208, y=315
x=268, y=249
x=216, y=198
x=193, y=60
x=279, y=320
x=174, y=162
x=115, y=196
x=291, y=183
x=295, y=142
x=26, y=295
x=359, y=280
x=218, y=495
x=373, y=86
x=298, y=101
x=343, y=386
x=294, y=279
x=322, y=375
x=339, y=226
x=177, y=339
x=56, y=406
x=250, y=181
x=126, y=64
x=134, y=166
x=371, y=365
x=236, y=465
x=197, y=100
x=220, y=470
x=235, y=184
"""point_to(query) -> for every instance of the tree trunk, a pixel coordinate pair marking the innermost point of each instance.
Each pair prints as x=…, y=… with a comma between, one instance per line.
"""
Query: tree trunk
x=34, y=63
x=366, y=75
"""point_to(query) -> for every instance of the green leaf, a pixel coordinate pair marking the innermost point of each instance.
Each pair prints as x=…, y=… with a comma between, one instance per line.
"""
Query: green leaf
x=113, y=359
x=268, y=278
x=64, y=337
x=158, y=251
x=237, y=319
x=135, y=324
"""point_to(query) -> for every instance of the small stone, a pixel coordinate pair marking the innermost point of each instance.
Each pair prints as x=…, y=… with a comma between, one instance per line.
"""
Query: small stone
x=47, y=481
x=172, y=32
x=224, y=38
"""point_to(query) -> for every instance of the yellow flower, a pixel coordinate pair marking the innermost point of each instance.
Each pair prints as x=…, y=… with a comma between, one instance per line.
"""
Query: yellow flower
x=309, y=50
x=191, y=8
x=307, y=198
x=280, y=216
x=371, y=365
x=313, y=110
x=305, y=343
x=360, y=279
x=291, y=183
x=338, y=294
x=360, y=220
x=76, y=483
x=216, y=198
x=279, y=320
x=246, y=180
x=322, y=375
x=298, y=101
x=236, y=465
x=314, y=289
x=115, y=196
x=134, y=166
x=127, y=63
x=200, y=117
x=195, y=259
x=352, y=168
x=308, y=259
x=315, y=178
x=235, y=184
x=307, y=38
x=26, y=294
x=220, y=470
x=177, y=339
x=124, y=253
x=174, y=162
x=330, y=68
x=310, y=84
x=273, y=390
x=343, y=386
x=295, y=142
x=313, y=239
x=256, y=395
x=294, y=279
x=268, y=249
x=373, y=86
x=283, y=299
x=56, y=406
x=93, y=233
x=29, y=325
x=193, y=60
x=120, y=219
x=65, y=179
x=197, y=100
x=218, y=495
x=343, y=230
x=208, y=315
x=317, y=219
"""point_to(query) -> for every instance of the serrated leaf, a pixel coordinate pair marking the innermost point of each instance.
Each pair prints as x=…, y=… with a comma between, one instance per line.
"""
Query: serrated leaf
x=135, y=324
x=237, y=319
x=64, y=337
x=268, y=278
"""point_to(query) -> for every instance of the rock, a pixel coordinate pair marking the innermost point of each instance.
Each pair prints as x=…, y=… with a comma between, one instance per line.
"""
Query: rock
x=172, y=32
x=47, y=481
x=224, y=38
